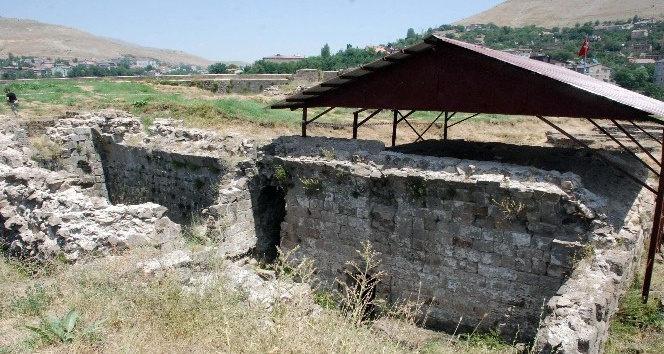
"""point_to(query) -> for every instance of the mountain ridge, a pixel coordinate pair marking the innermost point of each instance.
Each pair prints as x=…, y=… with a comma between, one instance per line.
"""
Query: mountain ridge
x=24, y=37
x=565, y=13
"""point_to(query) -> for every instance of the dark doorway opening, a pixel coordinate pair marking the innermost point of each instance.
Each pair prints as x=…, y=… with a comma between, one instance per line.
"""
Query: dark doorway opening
x=269, y=213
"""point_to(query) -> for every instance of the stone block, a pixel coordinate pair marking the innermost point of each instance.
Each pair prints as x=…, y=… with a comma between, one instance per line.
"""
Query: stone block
x=490, y=258
x=521, y=239
x=491, y=271
x=483, y=246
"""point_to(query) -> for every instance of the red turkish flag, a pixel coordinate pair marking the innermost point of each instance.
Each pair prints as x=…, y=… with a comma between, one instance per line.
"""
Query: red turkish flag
x=585, y=47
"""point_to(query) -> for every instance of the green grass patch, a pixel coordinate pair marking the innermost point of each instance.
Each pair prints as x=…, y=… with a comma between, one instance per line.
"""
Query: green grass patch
x=637, y=327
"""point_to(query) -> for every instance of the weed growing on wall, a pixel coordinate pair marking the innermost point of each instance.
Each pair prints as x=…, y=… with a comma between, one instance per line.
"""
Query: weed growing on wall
x=341, y=176
x=283, y=177
x=417, y=188
x=510, y=208
x=47, y=152
x=328, y=153
x=311, y=185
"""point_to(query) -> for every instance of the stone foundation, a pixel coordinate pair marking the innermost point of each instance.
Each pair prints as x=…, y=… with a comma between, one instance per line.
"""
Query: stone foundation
x=486, y=244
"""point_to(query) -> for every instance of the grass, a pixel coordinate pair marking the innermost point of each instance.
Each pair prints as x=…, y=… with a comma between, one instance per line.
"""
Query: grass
x=130, y=312
x=637, y=327
x=196, y=107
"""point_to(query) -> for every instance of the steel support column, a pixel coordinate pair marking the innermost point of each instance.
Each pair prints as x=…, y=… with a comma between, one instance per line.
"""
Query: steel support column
x=447, y=119
x=355, y=116
x=304, y=122
x=395, y=122
x=655, y=235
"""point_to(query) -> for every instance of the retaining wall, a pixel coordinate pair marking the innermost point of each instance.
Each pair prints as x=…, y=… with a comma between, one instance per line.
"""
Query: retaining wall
x=498, y=244
x=485, y=244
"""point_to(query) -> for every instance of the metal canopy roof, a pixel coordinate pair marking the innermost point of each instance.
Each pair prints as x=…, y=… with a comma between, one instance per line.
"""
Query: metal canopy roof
x=443, y=74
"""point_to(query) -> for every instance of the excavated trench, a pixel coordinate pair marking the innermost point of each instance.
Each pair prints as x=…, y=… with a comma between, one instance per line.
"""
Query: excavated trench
x=482, y=231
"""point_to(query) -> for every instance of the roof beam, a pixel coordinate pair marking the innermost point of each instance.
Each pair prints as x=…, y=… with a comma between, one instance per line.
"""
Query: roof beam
x=615, y=140
x=602, y=157
x=636, y=142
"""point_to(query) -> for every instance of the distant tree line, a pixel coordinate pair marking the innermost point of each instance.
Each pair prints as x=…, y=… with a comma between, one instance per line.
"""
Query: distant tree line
x=557, y=43
x=343, y=59
x=96, y=70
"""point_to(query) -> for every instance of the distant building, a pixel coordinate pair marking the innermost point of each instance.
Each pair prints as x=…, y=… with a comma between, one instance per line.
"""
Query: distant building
x=278, y=58
x=642, y=48
x=594, y=70
x=639, y=34
x=600, y=72
x=644, y=23
x=40, y=71
x=548, y=59
x=8, y=69
x=615, y=27
x=520, y=52
x=642, y=60
x=659, y=73
x=60, y=69
x=378, y=49
x=144, y=63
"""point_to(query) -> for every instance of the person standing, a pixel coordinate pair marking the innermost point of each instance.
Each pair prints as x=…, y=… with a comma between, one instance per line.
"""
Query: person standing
x=12, y=100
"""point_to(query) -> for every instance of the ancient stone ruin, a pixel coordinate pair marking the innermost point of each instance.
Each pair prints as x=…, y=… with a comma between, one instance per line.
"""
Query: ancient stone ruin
x=534, y=242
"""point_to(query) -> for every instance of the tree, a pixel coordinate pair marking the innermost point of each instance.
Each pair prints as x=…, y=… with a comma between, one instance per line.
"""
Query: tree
x=217, y=68
x=410, y=33
x=325, y=51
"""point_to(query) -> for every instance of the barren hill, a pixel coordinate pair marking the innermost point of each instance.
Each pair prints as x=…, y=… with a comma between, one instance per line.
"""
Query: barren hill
x=551, y=13
x=32, y=38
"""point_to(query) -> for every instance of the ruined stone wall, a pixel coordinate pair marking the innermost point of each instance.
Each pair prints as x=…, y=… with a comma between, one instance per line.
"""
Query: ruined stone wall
x=184, y=184
x=488, y=242
x=493, y=243
x=308, y=75
x=239, y=85
x=199, y=176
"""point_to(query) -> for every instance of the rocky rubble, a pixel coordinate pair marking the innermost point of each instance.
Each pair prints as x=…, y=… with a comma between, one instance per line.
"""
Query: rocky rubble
x=45, y=213
x=261, y=286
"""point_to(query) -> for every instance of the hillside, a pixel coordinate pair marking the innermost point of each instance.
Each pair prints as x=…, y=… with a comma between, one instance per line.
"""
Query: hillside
x=549, y=13
x=31, y=38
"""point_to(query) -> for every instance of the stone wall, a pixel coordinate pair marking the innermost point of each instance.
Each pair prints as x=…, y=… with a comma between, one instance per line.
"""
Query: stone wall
x=47, y=213
x=308, y=75
x=238, y=85
x=488, y=242
x=493, y=243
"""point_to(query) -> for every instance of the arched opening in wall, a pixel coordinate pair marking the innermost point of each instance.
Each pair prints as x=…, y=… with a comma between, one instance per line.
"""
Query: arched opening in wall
x=269, y=213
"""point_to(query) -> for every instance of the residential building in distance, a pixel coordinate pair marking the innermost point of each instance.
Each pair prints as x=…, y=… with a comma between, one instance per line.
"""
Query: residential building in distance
x=594, y=70
x=279, y=58
x=144, y=63
x=642, y=48
x=642, y=60
x=520, y=52
x=659, y=73
x=639, y=34
x=548, y=59
x=600, y=72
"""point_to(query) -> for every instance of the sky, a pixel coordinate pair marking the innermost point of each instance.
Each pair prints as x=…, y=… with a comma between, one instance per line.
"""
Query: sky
x=221, y=30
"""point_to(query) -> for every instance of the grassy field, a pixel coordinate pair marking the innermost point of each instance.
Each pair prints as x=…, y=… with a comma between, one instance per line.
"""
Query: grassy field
x=247, y=114
x=123, y=311
x=119, y=309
